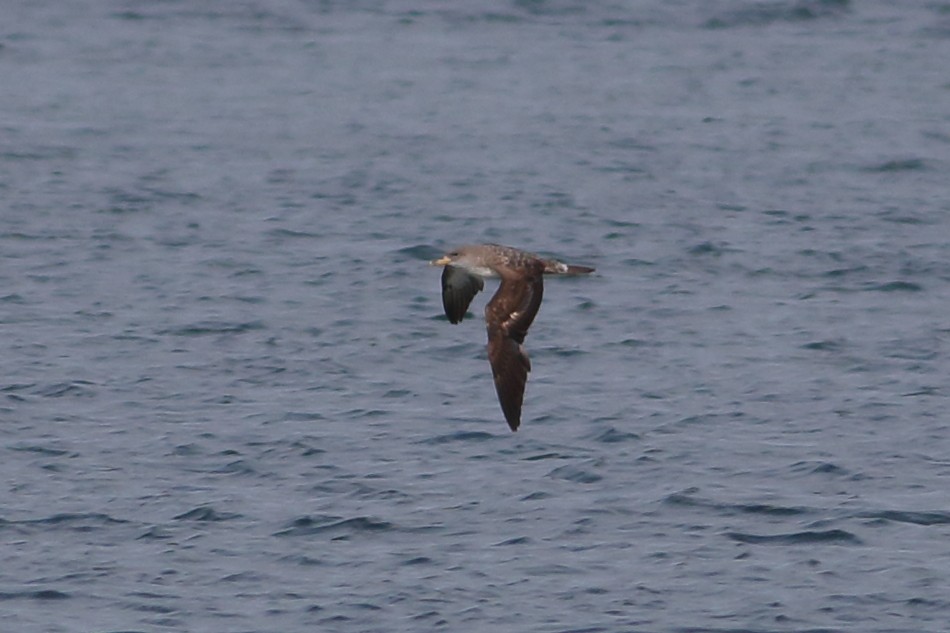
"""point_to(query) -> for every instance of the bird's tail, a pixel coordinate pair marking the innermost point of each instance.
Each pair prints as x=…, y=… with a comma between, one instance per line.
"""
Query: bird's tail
x=554, y=267
x=578, y=270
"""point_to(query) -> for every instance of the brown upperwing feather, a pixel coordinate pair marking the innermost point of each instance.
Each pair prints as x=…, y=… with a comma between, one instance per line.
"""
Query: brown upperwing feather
x=459, y=287
x=508, y=315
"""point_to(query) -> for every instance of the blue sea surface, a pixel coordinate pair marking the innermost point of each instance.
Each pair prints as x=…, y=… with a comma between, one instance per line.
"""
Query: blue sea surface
x=230, y=400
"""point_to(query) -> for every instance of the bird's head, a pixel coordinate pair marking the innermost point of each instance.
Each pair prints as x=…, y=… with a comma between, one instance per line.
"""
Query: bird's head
x=471, y=258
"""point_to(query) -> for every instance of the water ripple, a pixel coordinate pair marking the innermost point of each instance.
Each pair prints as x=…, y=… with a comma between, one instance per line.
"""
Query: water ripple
x=819, y=537
x=306, y=526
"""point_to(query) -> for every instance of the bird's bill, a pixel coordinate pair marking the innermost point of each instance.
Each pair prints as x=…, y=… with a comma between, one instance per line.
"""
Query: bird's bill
x=442, y=261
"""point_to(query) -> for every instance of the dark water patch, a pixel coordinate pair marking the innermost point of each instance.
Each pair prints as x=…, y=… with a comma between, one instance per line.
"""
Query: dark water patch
x=928, y=603
x=203, y=328
x=419, y=252
x=636, y=262
x=303, y=560
x=900, y=216
x=708, y=249
x=19, y=235
x=824, y=346
x=704, y=629
x=906, y=516
x=769, y=509
x=418, y=560
x=361, y=413
x=187, y=450
x=911, y=349
x=307, y=526
x=819, y=468
x=631, y=143
x=552, y=569
x=152, y=607
x=780, y=217
x=762, y=13
x=244, y=576
x=543, y=456
x=565, y=352
x=923, y=391
x=548, y=8
x=575, y=474
x=37, y=594
x=77, y=522
x=460, y=436
x=206, y=513
x=237, y=467
x=894, y=286
x=519, y=540
x=133, y=16
x=688, y=499
x=41, y=450
x=155, y=533
x=536, y=496
x=897, y=165
x=612, y=435
x=283, y=234
x=836, y=273
x=304, y=449
x=807, y=537
x=637, y=342
x=41, y=153
x=303, y=416
x=73, y=388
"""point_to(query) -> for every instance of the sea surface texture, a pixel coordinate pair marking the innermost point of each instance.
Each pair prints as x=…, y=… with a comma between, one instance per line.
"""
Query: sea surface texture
x=229, y=398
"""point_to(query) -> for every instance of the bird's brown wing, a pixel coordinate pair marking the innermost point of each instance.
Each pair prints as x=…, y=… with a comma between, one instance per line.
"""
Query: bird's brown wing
x=508, y=316
x=459, y=287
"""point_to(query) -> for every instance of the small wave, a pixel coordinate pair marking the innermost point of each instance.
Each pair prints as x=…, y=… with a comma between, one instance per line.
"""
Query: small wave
x=306, y=526
x=829, y=537
x=423, y=252
x=536, y=496
x=79, y=522
x=38, y=594
x=77, y=388
x=765, y=13
x=40, y=450
x=460, y=436
x=303, y=416
x=575, y=474
x=914, y=517
x=519, y=540
x=289, y=233
x=206, y=513
x=236, y=467
x=612, y=436
x=686, y=499
x=895, y=286
x=708, y=248
x=824, y=346
x=542, y=456
x=821, y=468
x=905, y=164
x=202, y=328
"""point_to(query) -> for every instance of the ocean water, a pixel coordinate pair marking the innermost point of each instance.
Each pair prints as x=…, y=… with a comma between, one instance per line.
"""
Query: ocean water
x=230, y=401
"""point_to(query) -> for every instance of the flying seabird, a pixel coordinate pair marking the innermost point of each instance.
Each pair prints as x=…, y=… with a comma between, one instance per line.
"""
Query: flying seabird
x=509, y=313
